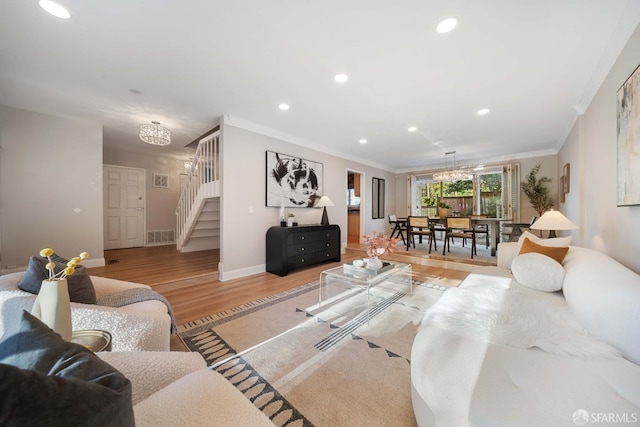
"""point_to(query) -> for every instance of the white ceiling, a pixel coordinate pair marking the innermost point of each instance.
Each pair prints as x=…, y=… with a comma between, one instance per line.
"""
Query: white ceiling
x=535, y=64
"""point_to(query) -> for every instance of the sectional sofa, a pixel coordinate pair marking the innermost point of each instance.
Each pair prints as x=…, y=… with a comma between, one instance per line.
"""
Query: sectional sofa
x=143, y=326
x=495, y=352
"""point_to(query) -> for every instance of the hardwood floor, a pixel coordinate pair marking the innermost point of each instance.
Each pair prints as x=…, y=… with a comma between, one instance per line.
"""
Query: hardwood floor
x=191, y=285
x=156, y=265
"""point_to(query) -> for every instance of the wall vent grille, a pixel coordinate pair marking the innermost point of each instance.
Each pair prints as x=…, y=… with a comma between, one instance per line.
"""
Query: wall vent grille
x=161, y=237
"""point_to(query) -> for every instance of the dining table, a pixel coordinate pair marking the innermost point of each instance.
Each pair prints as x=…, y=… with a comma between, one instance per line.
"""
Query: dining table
x=439, y=224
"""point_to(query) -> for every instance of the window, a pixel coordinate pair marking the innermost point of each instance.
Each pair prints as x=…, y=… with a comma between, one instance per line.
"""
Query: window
x=492, y=191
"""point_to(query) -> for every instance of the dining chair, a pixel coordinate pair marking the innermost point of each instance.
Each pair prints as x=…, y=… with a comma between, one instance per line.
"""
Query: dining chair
x=481, y=229
x=460, y=227
x=398, y=227
x=420, y=226
x=511, y=232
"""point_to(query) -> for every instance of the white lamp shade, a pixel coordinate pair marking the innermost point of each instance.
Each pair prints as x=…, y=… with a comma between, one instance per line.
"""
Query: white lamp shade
x=553, y=220
x=324, y=201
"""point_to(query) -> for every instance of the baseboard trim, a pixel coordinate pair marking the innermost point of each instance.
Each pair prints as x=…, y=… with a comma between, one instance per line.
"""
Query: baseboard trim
x=241, y=272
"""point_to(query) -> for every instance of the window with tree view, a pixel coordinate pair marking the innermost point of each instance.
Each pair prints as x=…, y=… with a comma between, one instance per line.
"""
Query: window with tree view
x=481, y=194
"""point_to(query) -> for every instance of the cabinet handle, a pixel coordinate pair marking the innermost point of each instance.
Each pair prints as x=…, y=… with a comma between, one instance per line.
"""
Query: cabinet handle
x=302, y=260
x=328, y=244
x=302, y=237
x=302, y=249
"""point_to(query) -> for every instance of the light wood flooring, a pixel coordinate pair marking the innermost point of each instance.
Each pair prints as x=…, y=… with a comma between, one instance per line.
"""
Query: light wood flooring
x=190, y=281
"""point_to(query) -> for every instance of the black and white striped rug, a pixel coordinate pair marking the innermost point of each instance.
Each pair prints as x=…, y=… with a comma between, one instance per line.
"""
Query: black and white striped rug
x=304, y=364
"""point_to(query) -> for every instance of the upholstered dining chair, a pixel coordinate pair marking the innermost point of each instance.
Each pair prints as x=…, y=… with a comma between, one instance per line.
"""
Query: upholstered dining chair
x=420, y=226
x=460, y=227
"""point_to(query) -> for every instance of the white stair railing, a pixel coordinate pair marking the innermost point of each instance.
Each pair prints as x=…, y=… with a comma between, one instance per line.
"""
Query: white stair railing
x=202, y=182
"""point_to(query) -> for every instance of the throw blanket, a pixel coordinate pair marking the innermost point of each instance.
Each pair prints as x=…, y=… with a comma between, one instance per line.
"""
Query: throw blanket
x=131, y=296
x=512, y=317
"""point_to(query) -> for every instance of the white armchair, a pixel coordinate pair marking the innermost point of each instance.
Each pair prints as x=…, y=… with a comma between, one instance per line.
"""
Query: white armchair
x=143, y=326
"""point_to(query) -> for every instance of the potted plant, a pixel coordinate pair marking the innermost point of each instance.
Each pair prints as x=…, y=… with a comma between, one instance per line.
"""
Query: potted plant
x=377, y=245
x=443, y=209
x=537, y=191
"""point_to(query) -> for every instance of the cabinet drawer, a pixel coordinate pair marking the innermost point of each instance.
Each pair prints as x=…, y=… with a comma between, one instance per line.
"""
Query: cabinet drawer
x=302, y=249
x=299, y=238
x=301, y=261
x=327, y=255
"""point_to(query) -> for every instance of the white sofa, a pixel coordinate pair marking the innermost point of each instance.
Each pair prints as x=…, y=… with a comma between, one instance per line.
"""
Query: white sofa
x=463, y=377
x=143, y=326
x=175, y=389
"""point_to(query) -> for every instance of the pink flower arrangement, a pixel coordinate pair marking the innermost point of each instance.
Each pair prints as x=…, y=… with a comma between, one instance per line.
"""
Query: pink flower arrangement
x=379, y=244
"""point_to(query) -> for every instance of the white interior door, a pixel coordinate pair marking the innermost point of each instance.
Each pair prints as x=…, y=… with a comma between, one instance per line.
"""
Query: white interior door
x=124, y=197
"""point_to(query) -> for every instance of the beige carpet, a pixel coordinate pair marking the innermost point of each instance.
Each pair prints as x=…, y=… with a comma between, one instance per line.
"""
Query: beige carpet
x=304, y=364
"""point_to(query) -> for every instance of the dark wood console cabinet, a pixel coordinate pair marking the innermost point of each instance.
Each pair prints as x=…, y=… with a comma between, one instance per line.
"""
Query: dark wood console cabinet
x=289, y=248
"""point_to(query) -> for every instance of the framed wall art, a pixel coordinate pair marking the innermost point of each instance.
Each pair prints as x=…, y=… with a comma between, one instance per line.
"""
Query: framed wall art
x=377, y=207
x=566, y=172
x=628, y=118
x=292, y=181
x=562, y=187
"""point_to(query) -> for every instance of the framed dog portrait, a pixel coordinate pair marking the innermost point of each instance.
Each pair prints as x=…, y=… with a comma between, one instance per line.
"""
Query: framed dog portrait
x=292, y=181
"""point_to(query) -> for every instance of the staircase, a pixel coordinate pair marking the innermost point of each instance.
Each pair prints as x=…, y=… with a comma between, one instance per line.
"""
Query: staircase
x=198, y=210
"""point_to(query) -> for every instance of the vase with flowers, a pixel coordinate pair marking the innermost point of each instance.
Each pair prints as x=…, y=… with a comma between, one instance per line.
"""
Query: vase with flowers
x=378, y=245
x=52, y=305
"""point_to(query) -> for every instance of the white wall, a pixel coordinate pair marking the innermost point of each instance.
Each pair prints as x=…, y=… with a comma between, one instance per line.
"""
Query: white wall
x=591, y=151
x=50, y=186
x=243, y=188
x=161, y=202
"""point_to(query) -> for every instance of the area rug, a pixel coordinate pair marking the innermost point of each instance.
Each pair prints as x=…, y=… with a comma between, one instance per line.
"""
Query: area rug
x=457, y=252
x=305, y=364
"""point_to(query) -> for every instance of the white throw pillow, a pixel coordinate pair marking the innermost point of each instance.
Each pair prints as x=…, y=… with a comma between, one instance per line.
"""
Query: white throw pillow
x=537, y=271
x=555, y=242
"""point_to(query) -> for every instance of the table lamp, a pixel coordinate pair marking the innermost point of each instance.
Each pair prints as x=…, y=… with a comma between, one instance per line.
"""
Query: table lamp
x=552, y=221
x=323, y=203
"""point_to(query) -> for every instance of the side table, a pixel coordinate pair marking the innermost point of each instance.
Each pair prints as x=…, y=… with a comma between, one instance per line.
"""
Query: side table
x=94, y=339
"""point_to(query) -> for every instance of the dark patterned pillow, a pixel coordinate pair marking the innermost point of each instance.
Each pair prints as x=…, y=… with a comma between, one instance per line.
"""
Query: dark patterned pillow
x=45, y=380
x=80, y=285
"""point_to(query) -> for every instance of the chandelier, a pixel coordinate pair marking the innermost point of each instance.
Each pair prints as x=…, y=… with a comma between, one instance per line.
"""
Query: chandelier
x=452, y=174
x=155, y=134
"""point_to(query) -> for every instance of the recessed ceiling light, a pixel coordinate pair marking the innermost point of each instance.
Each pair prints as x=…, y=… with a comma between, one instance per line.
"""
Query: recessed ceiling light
x=363, y=141
x=483, y=111
x=446, y=25
x=412, y=129
x=341, y=78
x=55, y=9
x=283, y=107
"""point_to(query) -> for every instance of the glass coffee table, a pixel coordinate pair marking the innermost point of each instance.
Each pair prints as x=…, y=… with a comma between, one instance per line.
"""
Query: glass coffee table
x=393, y=272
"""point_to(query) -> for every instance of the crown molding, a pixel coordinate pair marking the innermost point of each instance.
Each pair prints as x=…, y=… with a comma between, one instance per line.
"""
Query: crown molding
x=626, y=26
x=303, y=142
x=484, y=161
